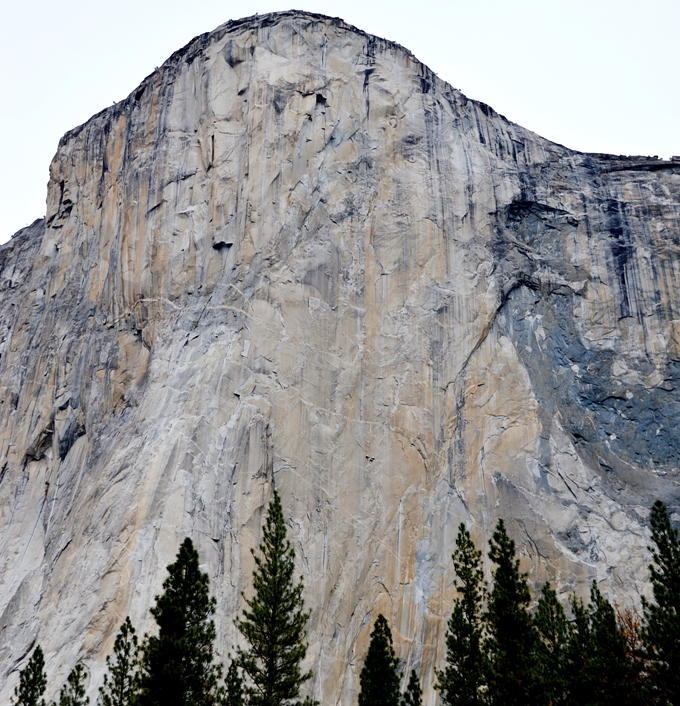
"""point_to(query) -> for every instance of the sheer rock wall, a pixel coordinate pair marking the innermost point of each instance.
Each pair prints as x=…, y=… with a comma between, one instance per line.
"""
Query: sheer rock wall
x=295, y=255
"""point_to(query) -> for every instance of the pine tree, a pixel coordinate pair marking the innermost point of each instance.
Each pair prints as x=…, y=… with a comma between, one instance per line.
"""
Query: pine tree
x=661, y=629
x=614, y=678
x=462, y=680
x=121, y=681
x=511, y=639
x=178, y=665
x=600, y=671
x=73, y=692
x=620, y=672
x=32, y=681
x=579, y=648
x=413, y=695
x=379, y=676
x=274, y=621
x=552, y=630
x=234, y=687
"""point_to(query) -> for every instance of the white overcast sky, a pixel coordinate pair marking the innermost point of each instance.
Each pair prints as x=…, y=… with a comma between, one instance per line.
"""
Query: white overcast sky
x=595, y=75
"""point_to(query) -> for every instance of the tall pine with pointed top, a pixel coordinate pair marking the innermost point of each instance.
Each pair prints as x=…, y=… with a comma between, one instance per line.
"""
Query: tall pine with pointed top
x=274, y=620
x=73, y=692
x=178, y=666
x=121, y=680
x=413, y=696
x=461, y=682
x=379, y=676
x=579, y=648
x=511, y=634
x=661, y=628
x=613, y=673
x=32, y=681
x=552, y=633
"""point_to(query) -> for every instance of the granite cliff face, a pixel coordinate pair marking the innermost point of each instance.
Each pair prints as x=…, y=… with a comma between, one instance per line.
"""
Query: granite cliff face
x=295, y=255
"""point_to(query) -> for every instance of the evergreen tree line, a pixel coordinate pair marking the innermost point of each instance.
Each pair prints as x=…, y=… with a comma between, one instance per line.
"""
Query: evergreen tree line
x=177, y=665
x=499, y=650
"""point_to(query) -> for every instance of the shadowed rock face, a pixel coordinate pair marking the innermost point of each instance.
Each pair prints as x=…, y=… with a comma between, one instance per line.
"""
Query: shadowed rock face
x=294, y=255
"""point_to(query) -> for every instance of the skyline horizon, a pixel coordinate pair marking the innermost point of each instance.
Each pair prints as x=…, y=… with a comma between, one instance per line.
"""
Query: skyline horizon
x=29, y=142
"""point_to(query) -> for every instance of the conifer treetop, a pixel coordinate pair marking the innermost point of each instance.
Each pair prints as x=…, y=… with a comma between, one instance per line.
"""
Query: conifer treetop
x=32, y=681
x=413, y=696
x=462, y=680
x=178, y=666
x=274, y=620
x=379, y=676
x=121, y=680
x=73, y=692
